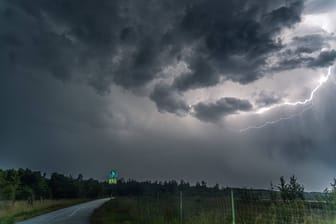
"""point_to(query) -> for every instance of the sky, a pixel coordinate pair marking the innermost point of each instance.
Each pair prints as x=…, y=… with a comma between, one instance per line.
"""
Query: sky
x=172, y=89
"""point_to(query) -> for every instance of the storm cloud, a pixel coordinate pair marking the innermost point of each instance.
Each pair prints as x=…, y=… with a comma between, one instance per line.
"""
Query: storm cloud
x=124, y=42
x=215, y=111
x=167, y=100
x=160, y=89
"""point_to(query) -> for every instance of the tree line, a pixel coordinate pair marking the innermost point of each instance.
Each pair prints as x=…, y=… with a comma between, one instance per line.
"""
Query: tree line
x=25, y=184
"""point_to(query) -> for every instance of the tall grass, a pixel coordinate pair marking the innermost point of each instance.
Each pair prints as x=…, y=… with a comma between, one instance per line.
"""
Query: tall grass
x=212, y=210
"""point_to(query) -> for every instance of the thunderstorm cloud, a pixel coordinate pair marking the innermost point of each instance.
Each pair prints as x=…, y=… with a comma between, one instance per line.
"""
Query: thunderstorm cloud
x=215, y=111
x=86, y=85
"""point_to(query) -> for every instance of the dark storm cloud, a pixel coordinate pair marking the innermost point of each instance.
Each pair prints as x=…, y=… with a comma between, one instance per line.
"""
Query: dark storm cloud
x=66, y=127
x=167, y=100
x=213, y=112
x=98, y=43
x=235, y=39
x=306, y=51
x=325, y=58
x=309, y=43
x=130, y=43
x=202, y=75
x=124, y=42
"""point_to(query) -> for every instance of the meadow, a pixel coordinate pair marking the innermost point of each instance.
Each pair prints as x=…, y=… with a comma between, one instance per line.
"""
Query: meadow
x=212, y=210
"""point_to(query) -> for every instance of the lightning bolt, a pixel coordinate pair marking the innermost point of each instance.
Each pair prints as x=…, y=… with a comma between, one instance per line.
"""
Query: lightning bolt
x=307, y=101
x=272, y=122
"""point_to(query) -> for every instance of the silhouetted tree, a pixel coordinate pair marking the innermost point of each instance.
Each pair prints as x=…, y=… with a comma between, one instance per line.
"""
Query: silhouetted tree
x=296, y=190
x=291, y=191
x=330, y=195
x=283, y=188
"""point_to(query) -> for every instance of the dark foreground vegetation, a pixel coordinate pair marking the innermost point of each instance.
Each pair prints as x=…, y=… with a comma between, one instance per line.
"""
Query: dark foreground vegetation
x=25, y=193
x=24, y=184
x=284, y=203
x=211, y=210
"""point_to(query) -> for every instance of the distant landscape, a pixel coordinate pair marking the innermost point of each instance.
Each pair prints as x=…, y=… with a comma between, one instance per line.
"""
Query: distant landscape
x=25, y=193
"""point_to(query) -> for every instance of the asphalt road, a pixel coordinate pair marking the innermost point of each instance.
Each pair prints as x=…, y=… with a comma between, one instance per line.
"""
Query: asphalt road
x=77, y=214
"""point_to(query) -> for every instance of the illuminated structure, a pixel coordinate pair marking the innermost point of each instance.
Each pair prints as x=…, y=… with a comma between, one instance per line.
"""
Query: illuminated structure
x=113, y=176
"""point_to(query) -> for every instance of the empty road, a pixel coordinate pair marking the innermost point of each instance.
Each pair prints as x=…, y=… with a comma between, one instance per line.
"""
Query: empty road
x=77, y=214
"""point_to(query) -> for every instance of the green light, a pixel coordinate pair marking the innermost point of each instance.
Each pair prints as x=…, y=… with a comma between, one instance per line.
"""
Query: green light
x=113, y=174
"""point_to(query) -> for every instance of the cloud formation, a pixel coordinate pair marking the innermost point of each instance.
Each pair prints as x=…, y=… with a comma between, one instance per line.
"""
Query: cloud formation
x=320, y=6
x=213, y=112
x=233, y=40
x=151, y=60
x=167, y=100
x=267, y=98
x=124, y=42
x=306, y=51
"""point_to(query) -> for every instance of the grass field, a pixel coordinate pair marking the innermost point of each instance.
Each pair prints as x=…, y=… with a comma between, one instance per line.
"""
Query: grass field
x=210, y=210
x=21, y=210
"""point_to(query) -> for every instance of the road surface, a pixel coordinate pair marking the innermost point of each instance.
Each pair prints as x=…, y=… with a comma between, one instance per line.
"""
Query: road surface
x=77, y=214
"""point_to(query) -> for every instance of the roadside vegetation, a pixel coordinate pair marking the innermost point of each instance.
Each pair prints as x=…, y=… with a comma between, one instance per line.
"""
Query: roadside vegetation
x=209, y=210
x=285, y=203
x=25, y=193
x=21, y=210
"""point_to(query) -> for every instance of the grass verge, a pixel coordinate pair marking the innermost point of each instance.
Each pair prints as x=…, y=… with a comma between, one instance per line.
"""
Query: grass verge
x=21, y=210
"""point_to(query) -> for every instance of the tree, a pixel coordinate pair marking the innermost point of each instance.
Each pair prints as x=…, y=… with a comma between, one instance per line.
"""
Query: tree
x=283, y=188
x=32, y=185
x=2, y=184
x=291, y=191
x=216, y=187
x=331, y=194
x=296, y=190
x=11, y=184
